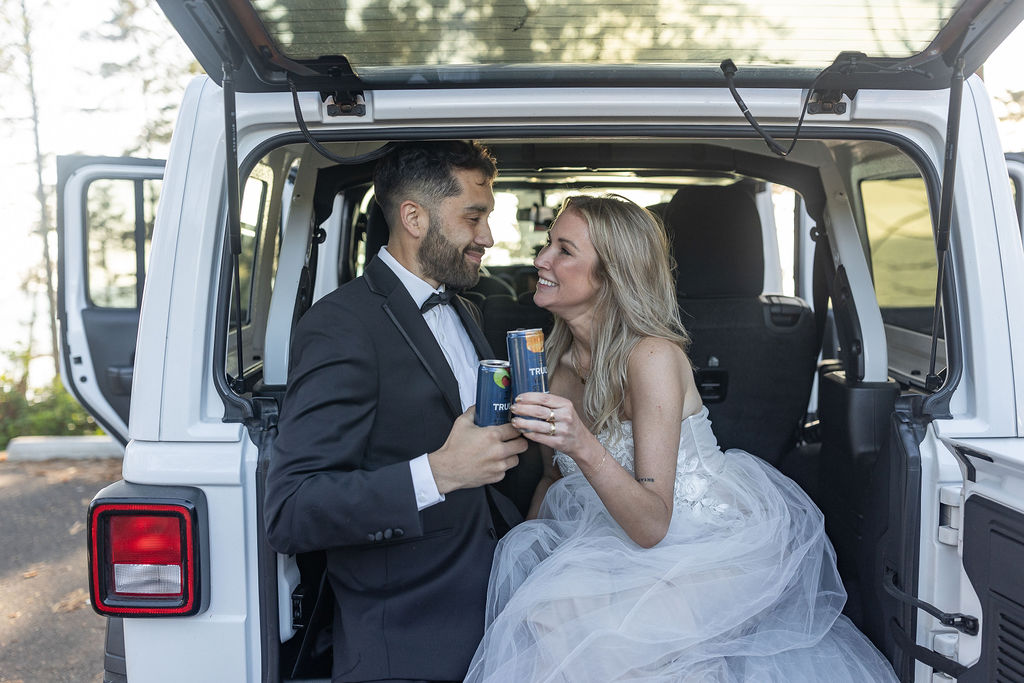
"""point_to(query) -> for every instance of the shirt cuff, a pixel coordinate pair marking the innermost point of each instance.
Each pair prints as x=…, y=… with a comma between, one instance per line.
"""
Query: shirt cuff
x=423, y=483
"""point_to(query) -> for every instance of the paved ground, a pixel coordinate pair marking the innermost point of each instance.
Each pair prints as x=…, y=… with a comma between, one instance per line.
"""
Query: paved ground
x=48, y=631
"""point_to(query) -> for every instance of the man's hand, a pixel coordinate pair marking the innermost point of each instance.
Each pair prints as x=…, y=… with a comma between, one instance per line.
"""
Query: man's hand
x=473, y=456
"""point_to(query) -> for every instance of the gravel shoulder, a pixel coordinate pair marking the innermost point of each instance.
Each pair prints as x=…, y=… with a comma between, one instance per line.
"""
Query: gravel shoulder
x=48, y=631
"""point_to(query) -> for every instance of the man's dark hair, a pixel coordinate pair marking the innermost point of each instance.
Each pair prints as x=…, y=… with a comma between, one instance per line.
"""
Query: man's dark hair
x=425, y=172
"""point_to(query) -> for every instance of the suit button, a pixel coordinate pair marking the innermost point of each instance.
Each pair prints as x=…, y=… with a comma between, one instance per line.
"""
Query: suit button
x=369, y=537
x=379, y=536
x=399, y=533
x=388, y=533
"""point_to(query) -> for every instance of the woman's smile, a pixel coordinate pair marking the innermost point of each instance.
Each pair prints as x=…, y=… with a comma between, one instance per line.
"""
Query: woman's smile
x=566, y=264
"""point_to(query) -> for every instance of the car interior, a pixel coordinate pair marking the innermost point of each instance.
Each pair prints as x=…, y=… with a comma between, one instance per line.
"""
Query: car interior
x=781, y=369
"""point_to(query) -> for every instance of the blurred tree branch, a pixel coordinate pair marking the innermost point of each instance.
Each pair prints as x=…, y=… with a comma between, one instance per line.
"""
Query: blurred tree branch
x=155, y=63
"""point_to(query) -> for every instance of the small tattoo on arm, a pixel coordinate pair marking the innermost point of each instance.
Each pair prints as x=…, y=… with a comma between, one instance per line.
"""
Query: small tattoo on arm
x=645, y=480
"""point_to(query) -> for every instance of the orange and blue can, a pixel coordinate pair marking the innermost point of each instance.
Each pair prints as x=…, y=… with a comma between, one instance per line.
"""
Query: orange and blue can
x=527, y=361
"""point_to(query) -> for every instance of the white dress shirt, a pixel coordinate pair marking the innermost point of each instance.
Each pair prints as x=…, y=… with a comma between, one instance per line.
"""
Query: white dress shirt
x=458, y=350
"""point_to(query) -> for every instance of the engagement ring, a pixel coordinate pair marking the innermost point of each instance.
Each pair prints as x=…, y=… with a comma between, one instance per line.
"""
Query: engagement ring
x=551, y=415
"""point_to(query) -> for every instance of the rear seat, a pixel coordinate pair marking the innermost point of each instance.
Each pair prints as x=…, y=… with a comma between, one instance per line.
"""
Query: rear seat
x=754, y=354
x=503, y=312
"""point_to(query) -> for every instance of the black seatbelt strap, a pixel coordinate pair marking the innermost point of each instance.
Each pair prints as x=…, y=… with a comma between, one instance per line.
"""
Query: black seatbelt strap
x=307, y=278
x=823, y=273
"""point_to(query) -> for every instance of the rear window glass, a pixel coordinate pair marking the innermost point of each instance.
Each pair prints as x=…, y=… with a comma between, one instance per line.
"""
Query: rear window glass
x=404, y=33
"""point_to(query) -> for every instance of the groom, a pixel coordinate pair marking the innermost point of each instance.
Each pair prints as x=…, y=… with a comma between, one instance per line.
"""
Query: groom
x=377, y=461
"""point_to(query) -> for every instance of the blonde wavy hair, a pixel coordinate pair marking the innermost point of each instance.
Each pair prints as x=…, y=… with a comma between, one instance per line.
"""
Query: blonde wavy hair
x=636, y=299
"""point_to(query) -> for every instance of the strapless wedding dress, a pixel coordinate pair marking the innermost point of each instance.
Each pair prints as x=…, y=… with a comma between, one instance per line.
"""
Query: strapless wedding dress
x=744, y=586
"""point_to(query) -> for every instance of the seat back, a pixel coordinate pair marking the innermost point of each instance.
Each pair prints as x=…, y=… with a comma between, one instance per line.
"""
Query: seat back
x=503, y=312
x=753, y=354
x=377, y=231
x=488, y=285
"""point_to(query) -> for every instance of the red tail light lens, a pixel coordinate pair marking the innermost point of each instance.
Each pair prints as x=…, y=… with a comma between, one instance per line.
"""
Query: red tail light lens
x=143, y=559
x=145, y=552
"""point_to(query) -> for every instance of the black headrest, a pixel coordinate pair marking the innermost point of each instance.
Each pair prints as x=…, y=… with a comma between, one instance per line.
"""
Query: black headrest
x=715, y=233
x=377, y=231
x=488, y=286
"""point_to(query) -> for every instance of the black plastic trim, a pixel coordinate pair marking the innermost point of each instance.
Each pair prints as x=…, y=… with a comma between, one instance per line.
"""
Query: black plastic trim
x=970, y=469
x=903, y=555
x=993, y=551
x=270, y=651
x=115, y=668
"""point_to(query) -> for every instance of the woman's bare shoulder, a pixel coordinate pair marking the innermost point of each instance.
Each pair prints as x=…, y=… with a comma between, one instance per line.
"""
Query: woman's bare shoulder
x=658, y=355
x=660, y=369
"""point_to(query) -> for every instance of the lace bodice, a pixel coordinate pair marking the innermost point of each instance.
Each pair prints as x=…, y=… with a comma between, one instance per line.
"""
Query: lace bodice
x=698, y=463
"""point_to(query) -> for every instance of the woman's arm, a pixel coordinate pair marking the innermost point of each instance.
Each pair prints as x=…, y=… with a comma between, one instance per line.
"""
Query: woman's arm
x=655, y=396
x=550, y=476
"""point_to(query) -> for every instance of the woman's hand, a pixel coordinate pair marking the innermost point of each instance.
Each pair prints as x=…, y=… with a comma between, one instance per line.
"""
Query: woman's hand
x=558, y=426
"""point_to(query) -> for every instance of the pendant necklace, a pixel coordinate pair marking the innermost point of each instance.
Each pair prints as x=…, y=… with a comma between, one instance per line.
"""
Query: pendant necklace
x=576, y=365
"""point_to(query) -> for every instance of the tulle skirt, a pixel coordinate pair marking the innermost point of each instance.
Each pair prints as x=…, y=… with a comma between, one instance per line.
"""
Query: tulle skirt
x=742, y=588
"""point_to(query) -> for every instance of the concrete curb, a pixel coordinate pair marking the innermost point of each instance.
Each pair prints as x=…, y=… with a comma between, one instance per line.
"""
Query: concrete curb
x=72, y=447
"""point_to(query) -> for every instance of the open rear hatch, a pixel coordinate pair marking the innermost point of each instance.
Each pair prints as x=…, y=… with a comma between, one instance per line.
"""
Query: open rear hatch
x=329, y=45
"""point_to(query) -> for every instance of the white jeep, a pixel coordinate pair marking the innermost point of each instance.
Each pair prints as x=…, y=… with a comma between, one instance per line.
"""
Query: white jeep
x=851, y=299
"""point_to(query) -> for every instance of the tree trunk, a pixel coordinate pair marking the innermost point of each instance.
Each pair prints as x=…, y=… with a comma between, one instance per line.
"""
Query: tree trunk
x=44, y=221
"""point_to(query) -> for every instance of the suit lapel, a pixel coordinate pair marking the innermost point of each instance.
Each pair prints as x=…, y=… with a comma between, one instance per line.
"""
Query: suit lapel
x=476, y=335
x=399, y=307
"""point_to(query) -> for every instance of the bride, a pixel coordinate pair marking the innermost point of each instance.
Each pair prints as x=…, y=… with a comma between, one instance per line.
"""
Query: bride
x=651, y=554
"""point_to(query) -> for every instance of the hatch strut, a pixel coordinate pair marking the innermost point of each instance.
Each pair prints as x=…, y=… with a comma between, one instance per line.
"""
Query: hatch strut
x=234, y=220
x=956, y=88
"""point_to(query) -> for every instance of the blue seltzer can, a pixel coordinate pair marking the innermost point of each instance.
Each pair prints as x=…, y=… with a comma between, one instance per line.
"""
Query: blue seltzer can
x=493, y=389
x=527, y=361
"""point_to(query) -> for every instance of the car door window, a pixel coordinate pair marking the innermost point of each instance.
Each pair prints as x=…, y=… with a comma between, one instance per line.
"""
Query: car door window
x=119, y=228
x=902, y=250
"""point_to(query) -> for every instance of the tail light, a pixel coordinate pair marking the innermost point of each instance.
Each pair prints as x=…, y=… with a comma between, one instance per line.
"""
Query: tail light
x=144, y=558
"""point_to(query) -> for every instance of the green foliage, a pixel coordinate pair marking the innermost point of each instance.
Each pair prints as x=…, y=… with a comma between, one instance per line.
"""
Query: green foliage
x=49, y=412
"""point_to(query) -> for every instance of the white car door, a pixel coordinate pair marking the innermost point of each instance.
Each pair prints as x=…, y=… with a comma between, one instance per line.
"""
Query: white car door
x=106, y=209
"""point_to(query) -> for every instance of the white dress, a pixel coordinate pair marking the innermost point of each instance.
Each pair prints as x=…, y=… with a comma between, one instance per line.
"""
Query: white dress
x=743, y=587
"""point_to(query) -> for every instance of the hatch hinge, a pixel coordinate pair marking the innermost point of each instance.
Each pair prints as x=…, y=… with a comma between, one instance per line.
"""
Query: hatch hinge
x=949, y=515
x=961, y=622
x=344, y=103
x=338, y=84
x=828, y=102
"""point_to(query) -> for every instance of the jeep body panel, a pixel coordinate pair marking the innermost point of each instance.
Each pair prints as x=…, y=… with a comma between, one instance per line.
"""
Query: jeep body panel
x=186, y=428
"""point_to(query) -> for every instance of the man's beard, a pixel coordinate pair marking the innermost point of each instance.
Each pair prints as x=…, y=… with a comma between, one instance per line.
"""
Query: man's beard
x=443, y=261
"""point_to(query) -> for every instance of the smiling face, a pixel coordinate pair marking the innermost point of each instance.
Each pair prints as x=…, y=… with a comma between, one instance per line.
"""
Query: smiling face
x=566, y=268
x=458, y=234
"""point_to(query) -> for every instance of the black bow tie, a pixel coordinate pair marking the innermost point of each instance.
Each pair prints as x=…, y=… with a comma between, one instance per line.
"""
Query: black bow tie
x=437, y=299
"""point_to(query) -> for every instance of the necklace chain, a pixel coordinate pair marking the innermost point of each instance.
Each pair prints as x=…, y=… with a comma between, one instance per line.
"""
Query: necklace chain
x=576, y=365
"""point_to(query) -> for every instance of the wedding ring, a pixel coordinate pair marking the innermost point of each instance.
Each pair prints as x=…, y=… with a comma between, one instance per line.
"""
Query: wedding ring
x=551, y=415
x=551, y=432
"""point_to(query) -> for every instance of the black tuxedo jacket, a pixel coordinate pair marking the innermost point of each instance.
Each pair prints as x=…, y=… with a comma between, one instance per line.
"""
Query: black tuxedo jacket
x=368, y=390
